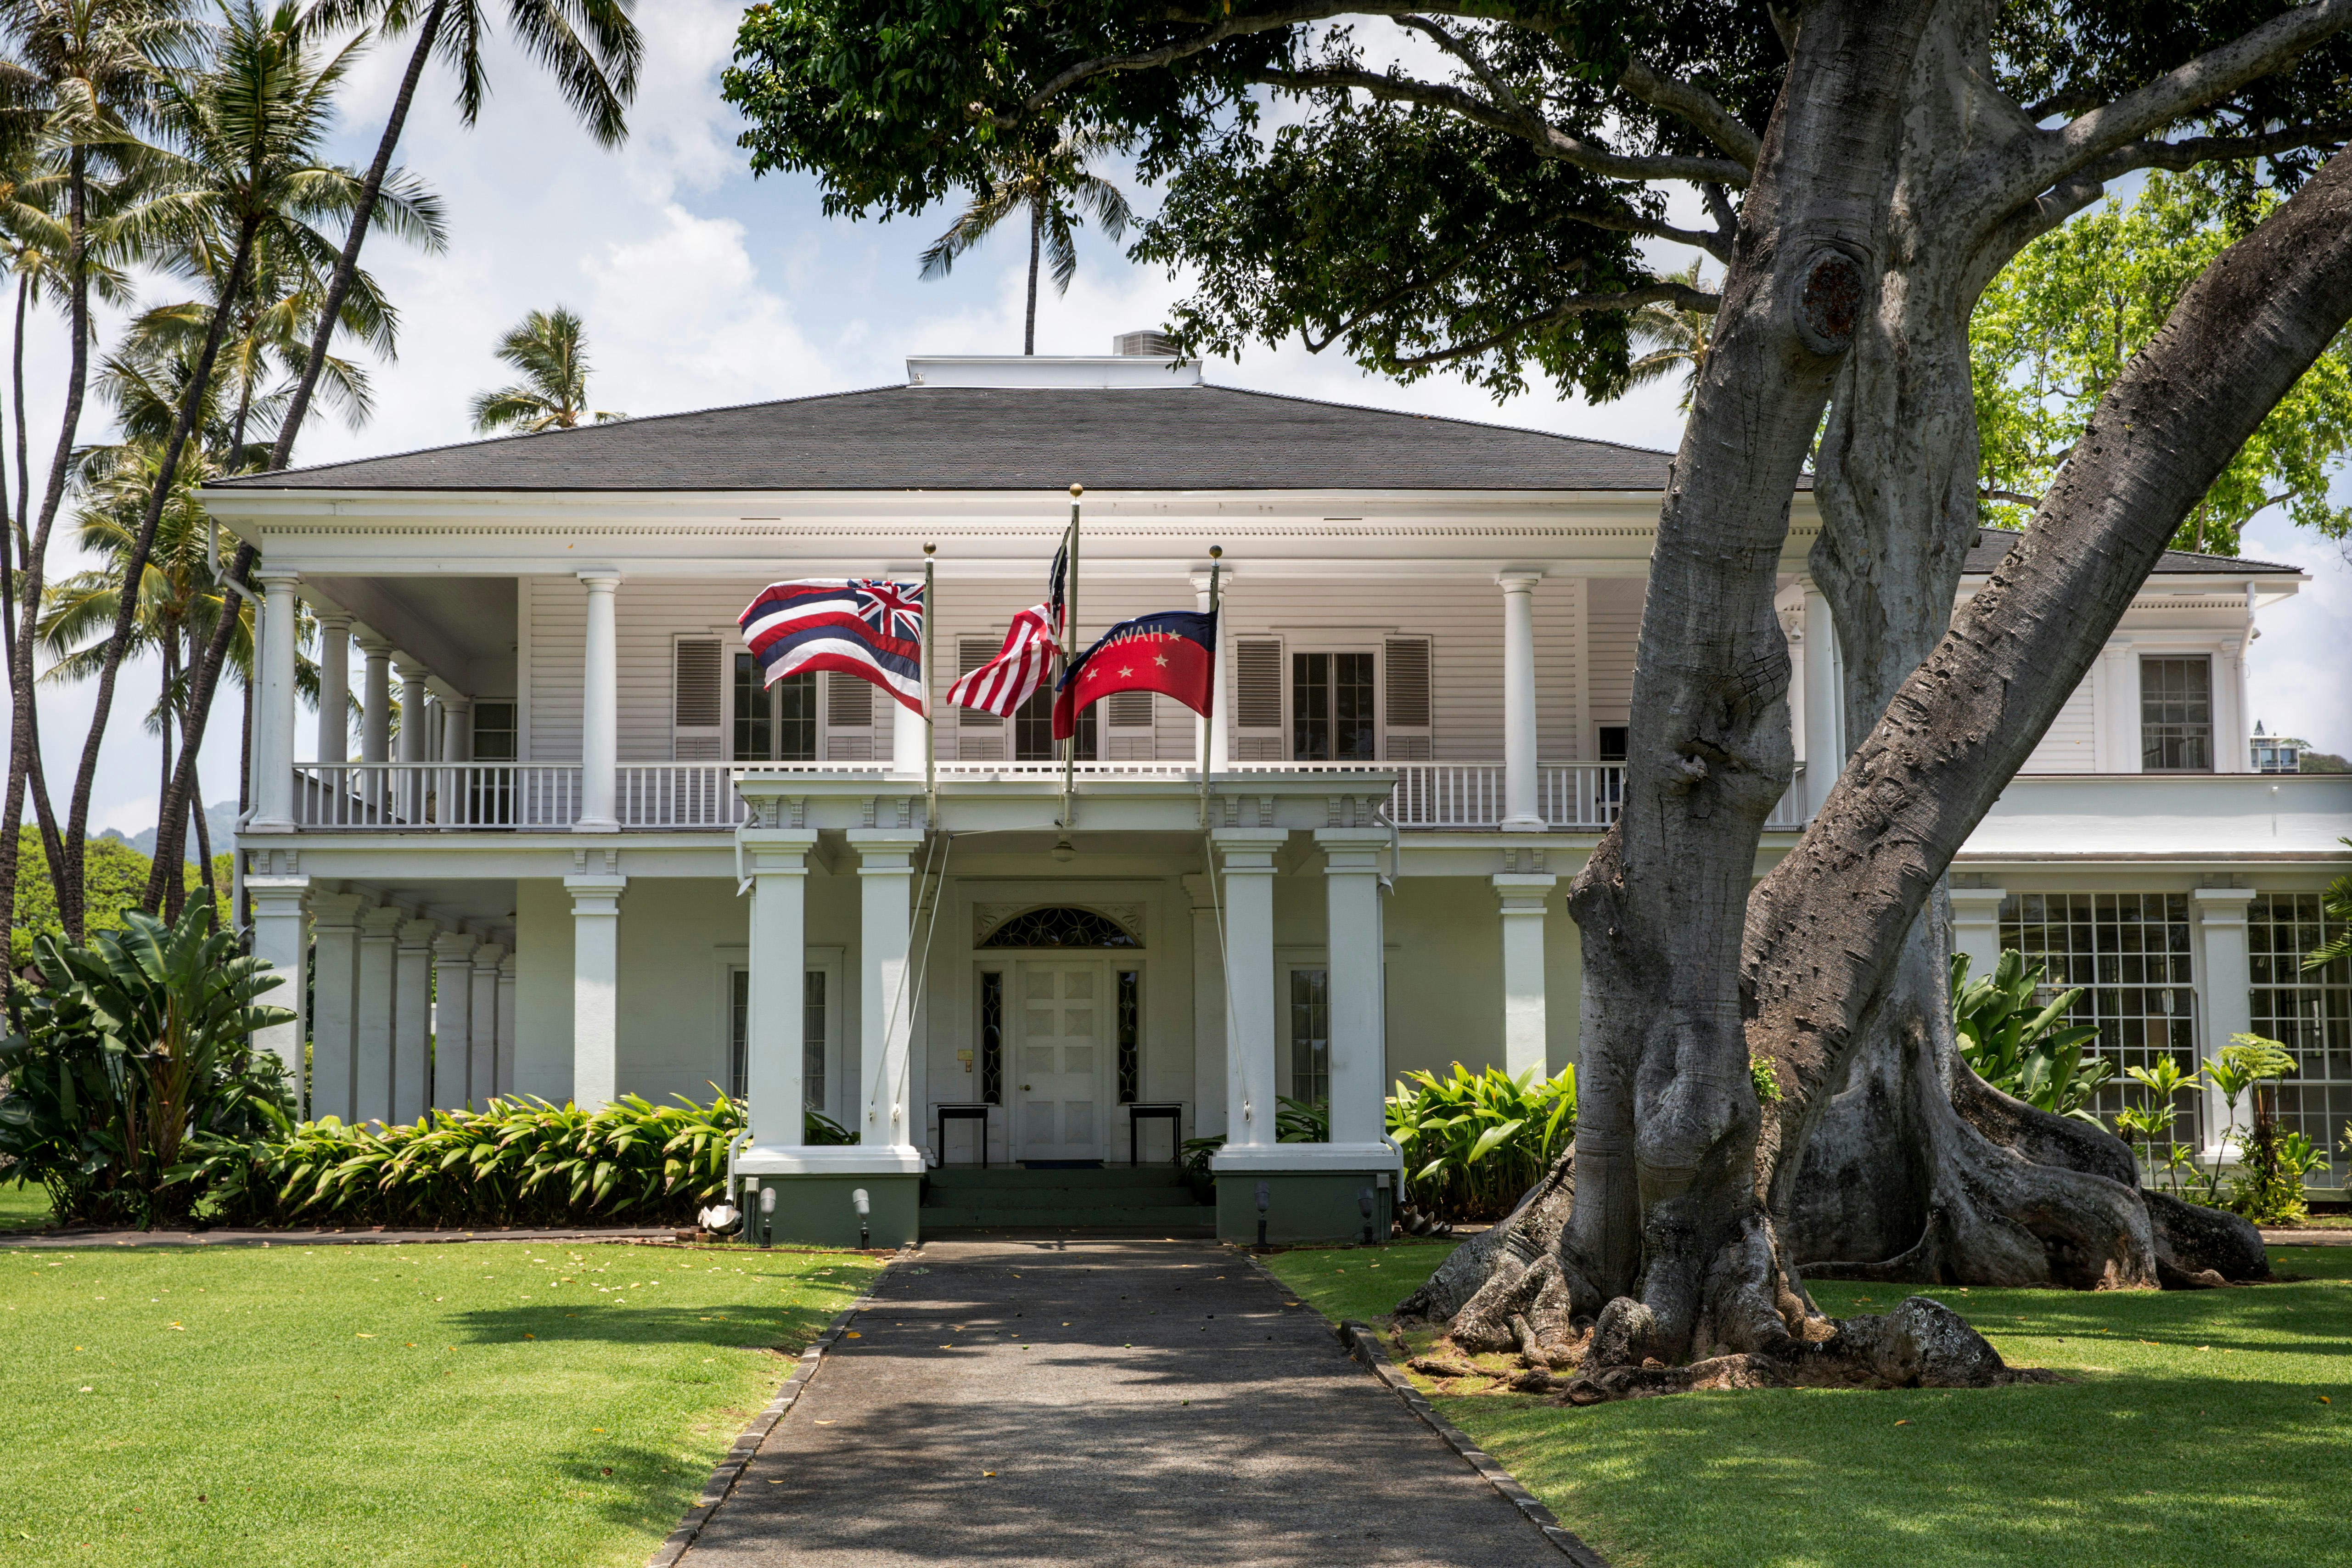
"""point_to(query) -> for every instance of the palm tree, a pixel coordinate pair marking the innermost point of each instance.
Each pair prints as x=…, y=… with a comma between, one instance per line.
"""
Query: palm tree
x=1675, y=337
x=1058, y=191
x=591, y=47
x=551, y=350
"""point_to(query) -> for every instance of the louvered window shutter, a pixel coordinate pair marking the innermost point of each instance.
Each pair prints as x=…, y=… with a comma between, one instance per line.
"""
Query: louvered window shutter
x=1258, y=701
x=971, y=654
x=1129, y=737
x=1405, y=701
x=696, y=700
x=849, y=718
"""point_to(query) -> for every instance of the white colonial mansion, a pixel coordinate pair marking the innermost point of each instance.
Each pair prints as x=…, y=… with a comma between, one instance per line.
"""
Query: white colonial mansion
x=623, y=867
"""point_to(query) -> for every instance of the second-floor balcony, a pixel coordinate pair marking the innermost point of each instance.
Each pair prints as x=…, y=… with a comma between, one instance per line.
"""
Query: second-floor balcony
x=702, y=797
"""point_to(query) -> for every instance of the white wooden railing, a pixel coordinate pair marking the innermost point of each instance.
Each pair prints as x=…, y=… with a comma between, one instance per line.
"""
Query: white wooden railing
x=702, y=797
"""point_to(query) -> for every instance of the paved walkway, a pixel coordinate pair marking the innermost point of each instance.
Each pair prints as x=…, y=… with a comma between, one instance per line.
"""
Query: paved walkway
x=1103, y=1402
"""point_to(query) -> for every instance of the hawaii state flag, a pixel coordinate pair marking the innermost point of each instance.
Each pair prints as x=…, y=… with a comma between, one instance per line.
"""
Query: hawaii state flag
x=1173, y=652
x=865, y=627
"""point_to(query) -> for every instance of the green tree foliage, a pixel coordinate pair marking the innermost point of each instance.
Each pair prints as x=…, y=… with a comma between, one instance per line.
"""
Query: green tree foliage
x=2023, y=1046
x=2056, y=328
x=113, y=875
x=550, y=349
x=1058, y=193
x=1475, y=1143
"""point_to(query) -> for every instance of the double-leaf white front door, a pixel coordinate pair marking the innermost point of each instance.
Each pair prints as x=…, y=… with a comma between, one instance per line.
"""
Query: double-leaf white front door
x=1063, y=1039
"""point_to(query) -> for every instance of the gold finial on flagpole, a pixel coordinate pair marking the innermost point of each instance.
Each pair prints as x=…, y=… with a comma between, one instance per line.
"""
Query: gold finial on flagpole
x=1077, y=490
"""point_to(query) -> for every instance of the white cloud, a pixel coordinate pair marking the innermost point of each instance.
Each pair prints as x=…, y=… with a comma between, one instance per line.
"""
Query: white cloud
x=2299, y=671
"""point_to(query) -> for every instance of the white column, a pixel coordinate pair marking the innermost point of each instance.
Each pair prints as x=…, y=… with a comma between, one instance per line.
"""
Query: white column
x=334, y=996
x=280, y=941
x=505, y=1066
x=778, y=861
x=376, y=699
x=1208, y=1014
x=487, y=1046
x=453, y=1019
x=2230, y=726
x=1247, y=854
x=334, y=745
x=2120, y=723
x=595, y=988
x=1527, y=1038
x=1976, y=926
x=1353, y=857
x=600, y=707
x=412, y=1020
x=457, y=745
x=371, y=1049
x=1519, y=802
x=886, y=1002
x=1209, y=736
x=2226, y=1005
x=415, y=732
x=1824, y=703
x=273, y=772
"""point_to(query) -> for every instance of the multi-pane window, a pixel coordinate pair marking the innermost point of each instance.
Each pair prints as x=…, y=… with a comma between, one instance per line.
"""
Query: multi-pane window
x=494, y=731
x=1331, y=708
x=796, y=718
x=992, y=1037
x=772, y=723
x=1310, y=1034
x=2309, y=1011
x=1033, y=730
x=754, y=718
x=2176, y=715
x=738, y=1033
x=1131, y=1035
x=813, y=1036
x=2130, y=952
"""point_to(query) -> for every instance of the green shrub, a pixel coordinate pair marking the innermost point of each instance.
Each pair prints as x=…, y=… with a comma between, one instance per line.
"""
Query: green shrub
x=132, y=1062
x=2027, y=1052
x=1475, y=1143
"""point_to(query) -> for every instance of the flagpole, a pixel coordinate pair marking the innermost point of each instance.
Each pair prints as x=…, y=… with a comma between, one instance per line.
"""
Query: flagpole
x=930, y=725
x=1210, y=720
x=1070, y=652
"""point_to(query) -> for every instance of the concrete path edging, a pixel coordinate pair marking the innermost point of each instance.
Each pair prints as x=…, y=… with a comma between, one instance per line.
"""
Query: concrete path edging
x=729, y=1469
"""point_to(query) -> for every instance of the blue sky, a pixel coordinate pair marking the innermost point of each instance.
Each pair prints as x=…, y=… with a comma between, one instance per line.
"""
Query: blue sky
x=701, y=287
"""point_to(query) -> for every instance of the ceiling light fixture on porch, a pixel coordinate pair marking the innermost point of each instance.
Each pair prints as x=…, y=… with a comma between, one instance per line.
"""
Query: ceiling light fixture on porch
x=1064, y=850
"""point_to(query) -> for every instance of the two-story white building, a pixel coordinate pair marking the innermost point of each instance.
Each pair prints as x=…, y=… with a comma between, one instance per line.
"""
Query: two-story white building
x=623, y=866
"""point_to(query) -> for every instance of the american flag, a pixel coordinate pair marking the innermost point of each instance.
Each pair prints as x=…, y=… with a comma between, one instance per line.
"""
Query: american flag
x=865, y=627
x=1002, y=684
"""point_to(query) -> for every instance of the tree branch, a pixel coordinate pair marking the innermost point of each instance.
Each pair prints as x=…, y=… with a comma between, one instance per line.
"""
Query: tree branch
x=2013, y=497
x=1681, y=294
x=1687, y=100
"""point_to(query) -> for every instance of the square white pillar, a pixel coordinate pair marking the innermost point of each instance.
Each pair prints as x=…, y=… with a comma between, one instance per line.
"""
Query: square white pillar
x=1247, y=857
x=273, y=731
x=1521, y=808
x=885, y=991
x=371, y=1052
x=1527, y=1039
x=412, y=1020
x=453, y=1020
x=596, y=989
x=1352, y=858
x=334, y=998
x=282, y=941
x=600, y=705
x=2227, y=1003
x=1208, y=1013
x=506, y=1064
x=1976, y=928
x=777, y=858
x=485, y=1044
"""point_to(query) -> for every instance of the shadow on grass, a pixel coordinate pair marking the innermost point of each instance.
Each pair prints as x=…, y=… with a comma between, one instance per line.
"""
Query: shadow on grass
x=790, y=1326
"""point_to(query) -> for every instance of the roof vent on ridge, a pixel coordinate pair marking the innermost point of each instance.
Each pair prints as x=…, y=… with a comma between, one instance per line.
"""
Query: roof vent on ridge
x=1152, y=344
x=1119, y=372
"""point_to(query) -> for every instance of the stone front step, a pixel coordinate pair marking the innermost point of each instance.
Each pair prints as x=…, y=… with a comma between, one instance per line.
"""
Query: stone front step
x=1162, y=1220
x=1150, y=1200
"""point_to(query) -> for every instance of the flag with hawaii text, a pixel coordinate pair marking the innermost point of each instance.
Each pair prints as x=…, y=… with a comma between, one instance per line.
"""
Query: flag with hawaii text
x=1172, y=653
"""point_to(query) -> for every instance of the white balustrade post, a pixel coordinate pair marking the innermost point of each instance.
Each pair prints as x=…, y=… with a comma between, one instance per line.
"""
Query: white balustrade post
x=1208, y=1013
x=273, y=778
x=1527, y=1039
x=505, y=1065
x=453, y=1019
x=372, y=1051
x=1352, y=860
x=1976, y=928
x=335, y=744
x=596, y=989
x=600, y=706
x=487, y=1044
x=334, y=998
x=282, y=942
x=1824, y=703
x=2228, y=996
x=1521, y=809
x=412, y=1020
x=777, y=858
x=1247, y=855
x=885, y=998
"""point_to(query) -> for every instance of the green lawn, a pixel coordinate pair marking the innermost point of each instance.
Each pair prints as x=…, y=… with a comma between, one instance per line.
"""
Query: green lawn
x=2205, y=1428
x=23, y=1206
x=485, y=1404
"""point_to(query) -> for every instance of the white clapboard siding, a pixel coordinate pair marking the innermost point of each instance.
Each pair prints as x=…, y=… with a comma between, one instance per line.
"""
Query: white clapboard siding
x=1615, y=615
x=2067, y=748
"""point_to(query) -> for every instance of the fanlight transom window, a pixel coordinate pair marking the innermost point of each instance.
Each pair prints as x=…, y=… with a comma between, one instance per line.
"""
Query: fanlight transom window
x=1060, y=925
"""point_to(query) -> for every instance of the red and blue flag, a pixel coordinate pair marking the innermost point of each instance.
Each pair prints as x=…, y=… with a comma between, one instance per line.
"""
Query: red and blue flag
x=1173, y=653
